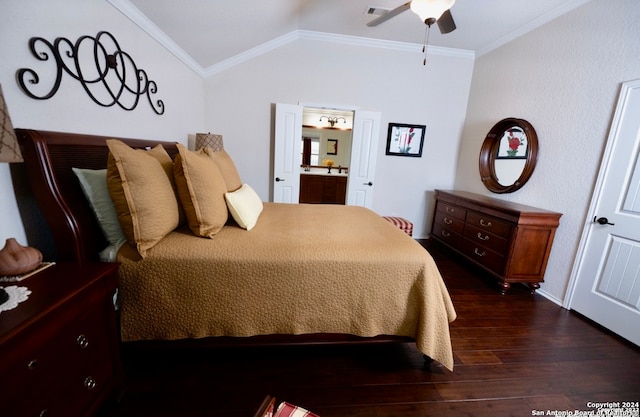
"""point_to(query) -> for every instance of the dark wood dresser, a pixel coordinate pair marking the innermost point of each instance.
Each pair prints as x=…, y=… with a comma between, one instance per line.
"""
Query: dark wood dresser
x=509, y=240
x=59, y=349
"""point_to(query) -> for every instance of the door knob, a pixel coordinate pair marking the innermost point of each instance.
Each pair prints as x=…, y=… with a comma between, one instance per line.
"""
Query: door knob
x=368, y=183
x=278, y=179
x=603, y=220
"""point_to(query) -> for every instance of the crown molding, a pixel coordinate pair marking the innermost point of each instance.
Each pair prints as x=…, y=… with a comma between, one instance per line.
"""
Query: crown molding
x=142, y=21
x=251, y=53
x=332, y=38
x=534, y=24
x=382, y=44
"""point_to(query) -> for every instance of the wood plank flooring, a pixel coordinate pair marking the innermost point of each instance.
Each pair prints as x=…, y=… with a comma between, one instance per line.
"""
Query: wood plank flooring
x=515, y=355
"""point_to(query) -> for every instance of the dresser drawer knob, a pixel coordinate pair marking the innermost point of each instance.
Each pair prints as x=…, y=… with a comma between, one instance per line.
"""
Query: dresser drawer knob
x=485, y=237
x=44, y=413
x=450, y=209
x=484, y=224
x=447, y=220
x=89, y=383
x=33, y=363
x=477, y=252
x=445, y=233
x=83, y=342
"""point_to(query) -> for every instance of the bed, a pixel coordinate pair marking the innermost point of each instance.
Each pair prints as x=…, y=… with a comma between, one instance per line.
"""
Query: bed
x=302, y=274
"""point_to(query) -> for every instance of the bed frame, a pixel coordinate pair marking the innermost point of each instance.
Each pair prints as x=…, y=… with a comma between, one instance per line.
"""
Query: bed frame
x=77, y=237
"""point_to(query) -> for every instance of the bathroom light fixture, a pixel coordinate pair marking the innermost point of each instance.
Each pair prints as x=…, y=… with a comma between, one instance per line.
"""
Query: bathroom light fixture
x=333, y=120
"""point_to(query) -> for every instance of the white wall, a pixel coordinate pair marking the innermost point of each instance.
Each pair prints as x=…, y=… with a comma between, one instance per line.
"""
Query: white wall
x=71, y=109
x=564, y=78
x=395, y=83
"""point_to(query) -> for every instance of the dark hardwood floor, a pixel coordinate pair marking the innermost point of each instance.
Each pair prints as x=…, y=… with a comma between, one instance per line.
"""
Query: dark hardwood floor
x=516, y=355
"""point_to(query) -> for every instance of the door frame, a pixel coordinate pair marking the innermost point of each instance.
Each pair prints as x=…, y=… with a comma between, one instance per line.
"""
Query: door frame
x=355, y=109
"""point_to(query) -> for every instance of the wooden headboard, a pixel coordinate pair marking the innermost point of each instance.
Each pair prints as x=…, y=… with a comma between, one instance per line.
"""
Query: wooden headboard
x=49, y=157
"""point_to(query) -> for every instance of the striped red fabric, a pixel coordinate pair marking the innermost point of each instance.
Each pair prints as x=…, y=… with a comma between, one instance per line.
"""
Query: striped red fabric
x=289, y=410
x=402, y=224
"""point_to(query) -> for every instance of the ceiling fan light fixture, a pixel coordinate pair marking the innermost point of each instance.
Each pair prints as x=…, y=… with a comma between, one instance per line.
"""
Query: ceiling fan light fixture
x=430, y=10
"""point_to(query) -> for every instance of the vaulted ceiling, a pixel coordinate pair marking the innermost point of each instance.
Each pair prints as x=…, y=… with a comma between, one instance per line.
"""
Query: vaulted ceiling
x=210, y=32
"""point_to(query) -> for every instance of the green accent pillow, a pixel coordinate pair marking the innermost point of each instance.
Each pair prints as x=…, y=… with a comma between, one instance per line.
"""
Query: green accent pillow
x=94, y=186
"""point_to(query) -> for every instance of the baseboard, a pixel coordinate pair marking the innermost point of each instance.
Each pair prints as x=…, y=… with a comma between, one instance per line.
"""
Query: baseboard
x=549, y=297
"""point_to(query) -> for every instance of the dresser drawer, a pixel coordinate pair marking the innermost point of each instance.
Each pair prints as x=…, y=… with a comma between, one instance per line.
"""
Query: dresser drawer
x=442, y=232
x=87, y=354
x=490, y=224
x=452, y=224
x=486, y=239
x=451, y=210
x=32, y=365
x=479, y=253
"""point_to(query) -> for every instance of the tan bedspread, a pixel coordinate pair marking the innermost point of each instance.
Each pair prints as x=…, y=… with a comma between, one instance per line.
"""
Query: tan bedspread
x=302, y=269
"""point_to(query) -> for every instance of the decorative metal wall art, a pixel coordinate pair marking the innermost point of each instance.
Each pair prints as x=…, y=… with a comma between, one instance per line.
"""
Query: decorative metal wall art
x=113, y=79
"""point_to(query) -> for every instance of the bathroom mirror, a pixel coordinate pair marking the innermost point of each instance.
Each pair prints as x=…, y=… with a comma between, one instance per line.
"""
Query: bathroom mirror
x=508, y=155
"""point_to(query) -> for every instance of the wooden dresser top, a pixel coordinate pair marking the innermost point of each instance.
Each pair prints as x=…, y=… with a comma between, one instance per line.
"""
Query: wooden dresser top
x=496, y=206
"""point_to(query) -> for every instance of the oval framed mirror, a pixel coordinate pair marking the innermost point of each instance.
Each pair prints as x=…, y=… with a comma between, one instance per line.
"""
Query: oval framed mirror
x=508, y=155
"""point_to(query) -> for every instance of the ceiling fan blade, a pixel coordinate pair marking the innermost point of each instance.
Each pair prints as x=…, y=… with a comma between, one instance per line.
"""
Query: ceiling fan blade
x=446, y=23
x=389, y=14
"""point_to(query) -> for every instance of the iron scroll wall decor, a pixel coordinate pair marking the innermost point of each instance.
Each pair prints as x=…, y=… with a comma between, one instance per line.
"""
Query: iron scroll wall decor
x=114, y=78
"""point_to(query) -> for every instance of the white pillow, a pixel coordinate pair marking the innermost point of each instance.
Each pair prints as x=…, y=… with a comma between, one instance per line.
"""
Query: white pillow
x=245, y=206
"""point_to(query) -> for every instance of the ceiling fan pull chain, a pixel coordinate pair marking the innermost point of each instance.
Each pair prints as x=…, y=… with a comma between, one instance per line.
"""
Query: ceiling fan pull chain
x=426, y=43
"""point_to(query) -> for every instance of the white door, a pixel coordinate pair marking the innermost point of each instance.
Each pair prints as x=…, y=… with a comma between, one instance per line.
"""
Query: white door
x=287, y=150
x=607, y=271
x=362, y=168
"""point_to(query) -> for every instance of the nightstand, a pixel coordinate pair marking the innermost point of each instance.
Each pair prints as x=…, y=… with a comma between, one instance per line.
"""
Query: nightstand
x=59, y=352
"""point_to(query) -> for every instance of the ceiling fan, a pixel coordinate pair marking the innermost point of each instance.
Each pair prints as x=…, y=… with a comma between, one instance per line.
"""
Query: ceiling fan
x=430, y=12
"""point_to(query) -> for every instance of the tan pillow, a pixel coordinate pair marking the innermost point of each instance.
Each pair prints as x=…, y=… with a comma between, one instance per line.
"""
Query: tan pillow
x=245, y=206
x=227, y=168
x=163, y=157
x=165, y=160
x=201, y=188
x=142, y=195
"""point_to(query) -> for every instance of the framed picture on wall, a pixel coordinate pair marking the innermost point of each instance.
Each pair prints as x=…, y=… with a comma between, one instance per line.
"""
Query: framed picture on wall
x=405, y=140
x=332, y=146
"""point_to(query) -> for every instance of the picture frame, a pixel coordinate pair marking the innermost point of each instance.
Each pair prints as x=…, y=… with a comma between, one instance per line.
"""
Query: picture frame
x=405, y=139
x=332, y=146
x=512, y=144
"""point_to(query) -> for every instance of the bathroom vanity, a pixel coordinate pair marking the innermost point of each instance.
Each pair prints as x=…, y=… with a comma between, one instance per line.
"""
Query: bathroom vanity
x=318, y=186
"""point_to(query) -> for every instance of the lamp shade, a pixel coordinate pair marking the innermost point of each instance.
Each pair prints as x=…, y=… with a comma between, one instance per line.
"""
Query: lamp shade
x=9, y=148
x=209, y=140
x=430, y=10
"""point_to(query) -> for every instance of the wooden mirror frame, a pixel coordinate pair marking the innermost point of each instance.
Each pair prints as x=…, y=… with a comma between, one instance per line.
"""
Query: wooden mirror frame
x=489, y=151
